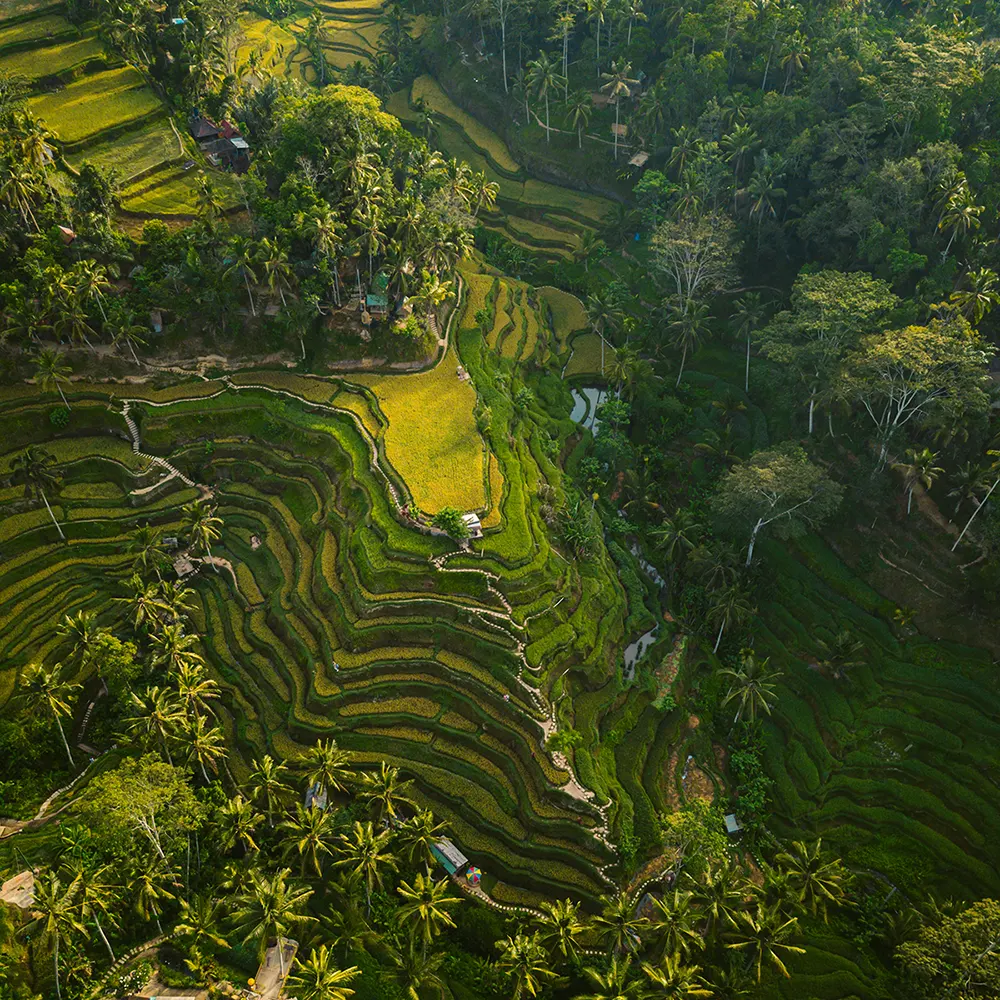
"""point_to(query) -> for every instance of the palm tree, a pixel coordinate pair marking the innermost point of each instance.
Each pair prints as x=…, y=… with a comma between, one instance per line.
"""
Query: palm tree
x=578, y=108
x=795, y=57
x=543, y=78
x=559, y=928
x=366, y=853
x=604, y=316
x=268, y=785
x=206, y=743
x=425, y=906
x=617, y=925
x=689, y=324
x=51, y=373
x=150, y=882
x=821, y=882
x=597, y=12
x=730, y=606
x=157, y=716
x=763, y=935
x=92, y=281
x=123, y=327
x=80, y=629
x=273, y=258
x=199, y=921
x=960, y=216
x=385, y=790
x=58, y=910
x=720, y=897
x=34, y=469
x=145, y=602
x=325, y=766
x=676, y=981
x=415, y=972
x=841, y=653
x=618, y=87
x=270, y=908
x=765, y=188
x=614, y=983
x=146, y=546
x=308, y=834
x=979, y=296
x=418, y=834
x=752, y=687
x=174, y=648
x=318, y=978
x=970, y=480
x=203, y=526
x=242, y=256
x=98, y=897
x=527, y=963
x=237, y=821
x=918, y=469
x=747, y=314
x=315, y=39
x=51, y=689
x=675, y=925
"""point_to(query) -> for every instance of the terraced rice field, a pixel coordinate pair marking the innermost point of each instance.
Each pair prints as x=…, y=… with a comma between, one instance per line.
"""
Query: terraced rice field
x=58, y=58
x=94, y=103
x=339, y=622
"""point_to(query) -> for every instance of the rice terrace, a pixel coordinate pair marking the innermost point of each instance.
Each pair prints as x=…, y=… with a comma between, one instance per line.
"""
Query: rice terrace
x=498, y=500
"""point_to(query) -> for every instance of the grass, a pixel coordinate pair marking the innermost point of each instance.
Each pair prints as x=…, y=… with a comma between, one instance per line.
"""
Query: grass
x=568, y=313
x=174, y=191
x=94, y=103
x=427, y=88
x=32, y=64
x=432, y=439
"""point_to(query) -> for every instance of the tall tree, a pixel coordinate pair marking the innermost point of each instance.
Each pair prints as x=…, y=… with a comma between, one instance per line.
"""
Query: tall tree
x=618, y=86
x=203, y=525
x=52, y=373
x=271, y=907
x=526, y=962
x=425, y=907
x=918, y=470
x=543, y=79
x=751, y=686
x=366, y=853
x=268, y=785
x=59, y=916
x=763, y=935
x=35, y=469
x=318, y=978
x=53, y=690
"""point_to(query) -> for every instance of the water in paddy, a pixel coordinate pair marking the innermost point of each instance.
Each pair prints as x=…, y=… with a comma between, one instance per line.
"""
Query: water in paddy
x=585, y=403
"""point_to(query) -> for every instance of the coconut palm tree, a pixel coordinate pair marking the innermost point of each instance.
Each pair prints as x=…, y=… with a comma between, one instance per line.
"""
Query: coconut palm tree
x=543, y=79
x=918, y=469
x=730, y=606
x=243, y=258
x=309, y=834
x=206, y=743
x=174, y=648
x=99, y=896
x=689, y=327
x=675, y=925
x=415, y=973
x=80, y=629
x=676, y=981
x=52, y=373
x=203, y=526
x=268, y=785
x=318, y=978
x=617, y=925
x=795, y=57
x=385, y=790
x=326, y=766
x=979, y=296
x=425, y=907
x=196, y=691
x=614, y=983
x=578, y=109
x=270, y=908
x=719, y=894
x=199, y=922
x=124, y=327
x=970, y=480
x=59, y=915
x=92, y=281
x=763, y=935
x=418, y=834
x=959, y=217
x=145, y=603
x=35, y=469
x=618, y=86
x=821, y=881
x=366, y=853
x=238, y=820
x=752, y=687
x=148, y=552
x=150, y=882
x=527, y=963
x=278, y=273
x=764, y=190
x=748, y=311
x=560, y=927
x=51, y=689
x=841, y=653
x=156, y=717
x=597, y=13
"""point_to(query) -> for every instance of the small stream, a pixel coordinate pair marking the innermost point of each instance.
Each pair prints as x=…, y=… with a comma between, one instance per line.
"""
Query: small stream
x=585, y=404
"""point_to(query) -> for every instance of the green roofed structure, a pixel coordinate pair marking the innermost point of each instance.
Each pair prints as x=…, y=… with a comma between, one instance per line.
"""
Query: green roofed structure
x=450, y=857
